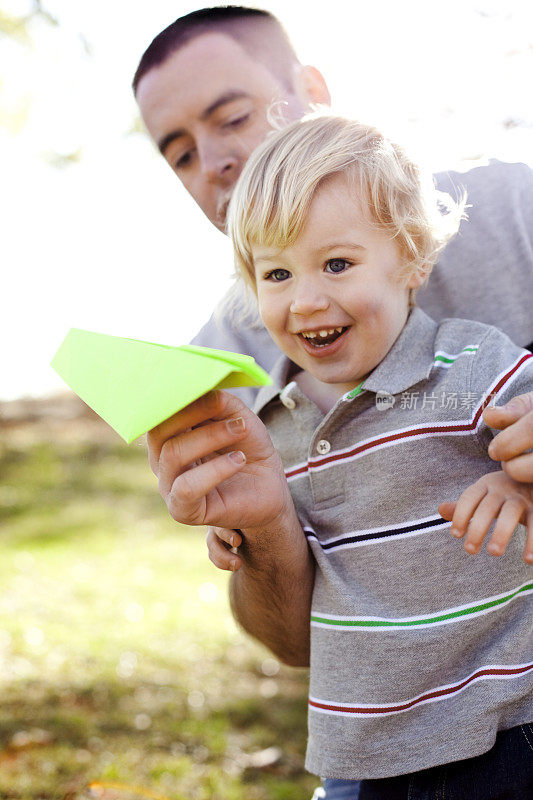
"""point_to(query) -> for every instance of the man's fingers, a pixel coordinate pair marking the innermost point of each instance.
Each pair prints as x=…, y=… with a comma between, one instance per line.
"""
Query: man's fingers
x=502, y=416
x=218, y=551
x=178, y=452
x=187, y=500
x=514, y=440
x=195, y=413
x=520, y=468
x=508, y=519
x=528, y=550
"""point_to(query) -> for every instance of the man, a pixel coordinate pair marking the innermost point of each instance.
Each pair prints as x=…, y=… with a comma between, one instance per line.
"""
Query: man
x=205, y=88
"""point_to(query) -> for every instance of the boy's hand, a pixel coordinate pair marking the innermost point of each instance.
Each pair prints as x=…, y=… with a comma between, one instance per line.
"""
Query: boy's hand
x=220, y=542
x=515, y=420
x=493, y=498
x=216, y=465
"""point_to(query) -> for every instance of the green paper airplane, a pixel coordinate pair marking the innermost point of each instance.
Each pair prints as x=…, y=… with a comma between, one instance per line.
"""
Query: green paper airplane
x=135, y=385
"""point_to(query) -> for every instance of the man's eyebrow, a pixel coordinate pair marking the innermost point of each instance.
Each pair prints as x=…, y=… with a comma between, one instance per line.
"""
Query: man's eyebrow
x=227, y=97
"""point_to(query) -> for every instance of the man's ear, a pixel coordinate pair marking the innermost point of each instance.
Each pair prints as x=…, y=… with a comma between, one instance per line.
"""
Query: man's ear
x=311, y=86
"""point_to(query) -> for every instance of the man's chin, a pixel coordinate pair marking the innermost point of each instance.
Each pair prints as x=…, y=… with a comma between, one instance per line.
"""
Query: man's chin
x=220, y=224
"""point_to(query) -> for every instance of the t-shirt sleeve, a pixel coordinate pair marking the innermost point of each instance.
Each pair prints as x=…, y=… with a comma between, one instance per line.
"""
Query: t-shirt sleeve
x=235, y=325
x=485, y=273
x=500, y=371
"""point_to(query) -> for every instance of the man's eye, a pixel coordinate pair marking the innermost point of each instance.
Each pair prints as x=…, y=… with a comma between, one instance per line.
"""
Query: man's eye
x=236, y=122
x=184, y=160
x=336, y=265
x=278, y=274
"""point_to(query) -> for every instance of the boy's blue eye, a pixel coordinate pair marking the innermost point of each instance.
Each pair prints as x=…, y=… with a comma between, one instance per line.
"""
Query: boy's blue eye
x=337, y=265
x=278, y=274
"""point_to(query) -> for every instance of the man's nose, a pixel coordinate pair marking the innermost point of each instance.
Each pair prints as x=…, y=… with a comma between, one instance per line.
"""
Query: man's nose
x=219, y=167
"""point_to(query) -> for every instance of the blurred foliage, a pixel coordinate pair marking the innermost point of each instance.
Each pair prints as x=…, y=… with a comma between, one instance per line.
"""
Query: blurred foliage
x=121, y=668
x=15, y=111
x=18, y=27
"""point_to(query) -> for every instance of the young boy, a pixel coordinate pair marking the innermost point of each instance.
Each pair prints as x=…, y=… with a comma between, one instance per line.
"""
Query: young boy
x=420, y=654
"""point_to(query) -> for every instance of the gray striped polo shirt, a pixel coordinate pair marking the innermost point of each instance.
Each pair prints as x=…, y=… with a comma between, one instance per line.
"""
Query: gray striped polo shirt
x=420, y=652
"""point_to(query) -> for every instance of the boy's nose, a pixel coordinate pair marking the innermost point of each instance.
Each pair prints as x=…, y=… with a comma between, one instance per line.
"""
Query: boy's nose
x=309, y=301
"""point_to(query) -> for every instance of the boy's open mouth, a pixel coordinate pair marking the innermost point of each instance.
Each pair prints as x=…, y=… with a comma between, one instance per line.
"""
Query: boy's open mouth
x=323, y=337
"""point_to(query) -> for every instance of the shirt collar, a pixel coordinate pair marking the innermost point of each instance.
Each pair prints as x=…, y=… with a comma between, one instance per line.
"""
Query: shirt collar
x=408, y=362
x=410, y=358
x=280, y=374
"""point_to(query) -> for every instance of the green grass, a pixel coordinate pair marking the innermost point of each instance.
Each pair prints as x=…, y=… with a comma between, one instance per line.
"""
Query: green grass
x=120, y=663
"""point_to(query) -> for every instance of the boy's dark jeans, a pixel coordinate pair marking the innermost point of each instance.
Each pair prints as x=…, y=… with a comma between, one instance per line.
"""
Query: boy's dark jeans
x=503, y=773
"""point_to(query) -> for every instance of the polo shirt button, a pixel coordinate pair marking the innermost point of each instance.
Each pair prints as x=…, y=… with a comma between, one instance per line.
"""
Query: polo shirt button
x=323, y=447
x=288, y=402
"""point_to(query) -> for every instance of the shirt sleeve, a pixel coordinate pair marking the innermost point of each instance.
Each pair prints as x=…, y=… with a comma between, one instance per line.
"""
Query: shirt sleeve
x=235, y=325
x=500, y=371
x=485, y=273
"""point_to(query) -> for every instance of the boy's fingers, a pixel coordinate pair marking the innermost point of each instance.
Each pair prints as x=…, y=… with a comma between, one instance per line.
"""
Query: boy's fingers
x=227, y=535
x=218, y=552
x=187, y=499
x=482, y=519
x=465, y=508
x=178, y=452
x=446, y=510
x=508, y=519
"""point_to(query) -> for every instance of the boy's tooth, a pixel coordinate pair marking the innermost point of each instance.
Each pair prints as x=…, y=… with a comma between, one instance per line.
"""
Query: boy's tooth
x=322, y=334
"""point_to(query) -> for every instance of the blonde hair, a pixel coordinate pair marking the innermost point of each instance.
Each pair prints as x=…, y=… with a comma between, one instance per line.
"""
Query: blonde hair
x=271, y=200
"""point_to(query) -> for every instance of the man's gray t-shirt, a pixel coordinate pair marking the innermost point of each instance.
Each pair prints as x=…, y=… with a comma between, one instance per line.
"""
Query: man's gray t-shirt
x=484, y=274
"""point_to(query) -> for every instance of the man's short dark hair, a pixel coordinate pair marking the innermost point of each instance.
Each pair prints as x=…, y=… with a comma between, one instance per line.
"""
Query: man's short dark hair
x=239, y=23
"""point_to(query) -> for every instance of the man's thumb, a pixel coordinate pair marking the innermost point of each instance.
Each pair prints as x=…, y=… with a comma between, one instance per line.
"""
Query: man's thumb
x=518, y=406
x=503, y=416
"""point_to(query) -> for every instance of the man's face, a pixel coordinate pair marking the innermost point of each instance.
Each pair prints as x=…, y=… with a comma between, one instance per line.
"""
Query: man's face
x=206, y=109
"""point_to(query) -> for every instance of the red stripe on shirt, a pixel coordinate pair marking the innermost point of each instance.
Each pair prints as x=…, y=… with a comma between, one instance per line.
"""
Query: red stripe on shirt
x=416, y=431
x=434, y=694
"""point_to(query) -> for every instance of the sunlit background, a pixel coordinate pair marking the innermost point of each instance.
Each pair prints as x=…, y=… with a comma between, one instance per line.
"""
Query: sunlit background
x=122, y=674
x=96, y=231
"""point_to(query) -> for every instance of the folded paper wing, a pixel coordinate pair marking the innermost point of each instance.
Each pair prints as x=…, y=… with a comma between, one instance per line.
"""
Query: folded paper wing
x=135, y=385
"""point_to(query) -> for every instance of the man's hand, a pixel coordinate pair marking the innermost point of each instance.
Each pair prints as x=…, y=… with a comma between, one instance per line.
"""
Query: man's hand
x=202, y=483
x=493, y=498
x=216, y=465
x=510, y=447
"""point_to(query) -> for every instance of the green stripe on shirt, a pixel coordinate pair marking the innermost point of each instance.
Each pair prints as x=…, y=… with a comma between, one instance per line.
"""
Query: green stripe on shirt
x=441, y=618
x=444, y=358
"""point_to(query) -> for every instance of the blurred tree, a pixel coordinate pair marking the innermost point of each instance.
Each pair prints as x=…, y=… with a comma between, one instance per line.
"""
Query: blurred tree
x=22, y=29
x=18, y=26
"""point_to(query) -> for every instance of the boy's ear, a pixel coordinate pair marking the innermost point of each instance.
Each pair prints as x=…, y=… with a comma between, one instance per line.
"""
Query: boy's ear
x=416, y=279
x=311, y=86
